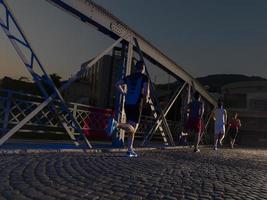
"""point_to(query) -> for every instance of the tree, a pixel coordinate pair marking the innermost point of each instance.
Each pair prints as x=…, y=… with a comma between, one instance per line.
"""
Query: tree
x=56, y=79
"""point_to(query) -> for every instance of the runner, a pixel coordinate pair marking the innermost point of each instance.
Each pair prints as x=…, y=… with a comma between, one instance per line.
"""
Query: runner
x=194, y=124
x=220, y=117
x=233, y=129
x=135, y=88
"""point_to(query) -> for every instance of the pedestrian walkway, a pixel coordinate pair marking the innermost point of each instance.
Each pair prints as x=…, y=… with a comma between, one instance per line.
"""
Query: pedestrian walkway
x=155, y=174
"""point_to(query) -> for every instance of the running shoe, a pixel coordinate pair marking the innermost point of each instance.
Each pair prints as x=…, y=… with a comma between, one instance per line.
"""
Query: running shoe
x=112, y=126
x=215, y=148
x=131, y=154
x=196, y=150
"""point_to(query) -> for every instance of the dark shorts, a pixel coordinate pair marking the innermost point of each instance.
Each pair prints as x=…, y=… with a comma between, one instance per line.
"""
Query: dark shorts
x=133, y=112
x=233, y=133
x=194, y=124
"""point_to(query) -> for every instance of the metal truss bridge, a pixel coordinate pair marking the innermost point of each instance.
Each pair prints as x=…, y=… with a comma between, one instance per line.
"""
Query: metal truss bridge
x=53, y=111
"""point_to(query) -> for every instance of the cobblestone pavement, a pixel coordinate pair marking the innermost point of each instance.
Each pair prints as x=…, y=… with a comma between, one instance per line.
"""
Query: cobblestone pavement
x=168, y=174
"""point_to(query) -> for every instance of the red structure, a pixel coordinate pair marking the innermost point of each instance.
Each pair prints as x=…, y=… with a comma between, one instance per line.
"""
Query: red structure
x=95, y=124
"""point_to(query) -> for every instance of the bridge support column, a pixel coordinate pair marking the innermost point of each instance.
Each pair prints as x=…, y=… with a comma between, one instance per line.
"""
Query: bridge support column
x=126, y=54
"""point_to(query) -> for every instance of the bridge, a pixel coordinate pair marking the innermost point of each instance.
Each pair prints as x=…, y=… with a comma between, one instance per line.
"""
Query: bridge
x=52, y=110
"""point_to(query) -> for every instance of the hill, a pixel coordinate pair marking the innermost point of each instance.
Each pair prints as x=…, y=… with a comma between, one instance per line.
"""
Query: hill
x=215, y=82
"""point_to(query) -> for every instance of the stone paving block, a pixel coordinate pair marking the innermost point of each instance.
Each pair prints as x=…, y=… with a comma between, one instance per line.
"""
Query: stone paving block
x=133, y=197
x=155, y=174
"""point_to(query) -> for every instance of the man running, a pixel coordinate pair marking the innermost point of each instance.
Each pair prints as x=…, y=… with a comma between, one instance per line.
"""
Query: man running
x=220, y=117
x=233, y=128
x=194, y=123
x=135, y=88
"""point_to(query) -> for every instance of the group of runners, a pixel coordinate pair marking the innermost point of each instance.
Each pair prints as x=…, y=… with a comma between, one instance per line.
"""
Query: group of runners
x=135, y=89
x=195, y=126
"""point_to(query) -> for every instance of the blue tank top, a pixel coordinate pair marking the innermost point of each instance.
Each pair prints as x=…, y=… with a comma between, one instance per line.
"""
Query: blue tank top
x=194, y=109
x=134, y=84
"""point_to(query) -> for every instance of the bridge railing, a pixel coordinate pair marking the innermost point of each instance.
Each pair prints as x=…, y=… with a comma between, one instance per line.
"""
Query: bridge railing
x=14, y=106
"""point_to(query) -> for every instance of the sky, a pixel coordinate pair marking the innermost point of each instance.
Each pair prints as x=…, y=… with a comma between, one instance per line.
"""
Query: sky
x=203, y=37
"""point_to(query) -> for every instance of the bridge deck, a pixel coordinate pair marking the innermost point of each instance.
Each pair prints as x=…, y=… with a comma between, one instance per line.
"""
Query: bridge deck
x=171, y=174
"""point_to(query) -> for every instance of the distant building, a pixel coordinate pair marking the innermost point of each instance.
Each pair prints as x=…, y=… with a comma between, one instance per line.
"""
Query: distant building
x=249, y=100
x=96, y=87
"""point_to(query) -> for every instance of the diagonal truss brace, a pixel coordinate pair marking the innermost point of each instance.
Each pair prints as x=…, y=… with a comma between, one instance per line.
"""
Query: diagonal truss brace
x=159, y=119
x=156, y=102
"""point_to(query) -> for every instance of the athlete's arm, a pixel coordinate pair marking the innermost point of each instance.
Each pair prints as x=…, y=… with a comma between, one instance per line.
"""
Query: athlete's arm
x=213, y=115
x=146, y=91
x=145, y=88
x=121, y=87
x=202, y=110
x=230, y=123
x=188, y=108
x=239, y=123
x=225, y=117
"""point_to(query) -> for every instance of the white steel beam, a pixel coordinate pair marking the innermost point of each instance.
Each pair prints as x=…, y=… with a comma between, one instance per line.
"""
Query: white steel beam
x=165, y=112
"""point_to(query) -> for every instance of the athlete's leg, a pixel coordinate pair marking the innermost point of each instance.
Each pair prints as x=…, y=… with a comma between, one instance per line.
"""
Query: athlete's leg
x=130, y=129
x=199, y=132
x=197, y=140
x=222, y=137
x=197, y=136
x=126, y=126
x=131, y=135
x=216, y=138
x=234, y=138
x=216, y=134
x=231, y=143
